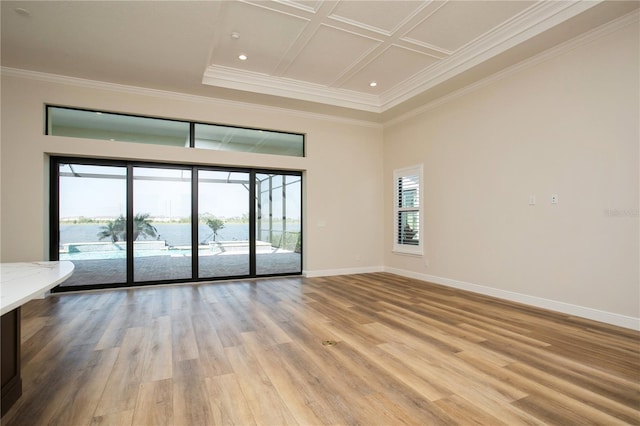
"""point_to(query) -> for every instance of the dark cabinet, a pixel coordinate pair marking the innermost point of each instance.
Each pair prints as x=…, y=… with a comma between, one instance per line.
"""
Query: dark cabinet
x=10, y=359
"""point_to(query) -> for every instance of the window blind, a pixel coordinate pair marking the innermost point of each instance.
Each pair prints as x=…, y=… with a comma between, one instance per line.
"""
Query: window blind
x=408, y=220
x=408, y=210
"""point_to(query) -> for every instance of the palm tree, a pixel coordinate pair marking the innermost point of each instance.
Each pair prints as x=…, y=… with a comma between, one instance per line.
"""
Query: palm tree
x=117, y=229
x=111, y=230
x=215, y=224
x=142, y=226
x=108, y=231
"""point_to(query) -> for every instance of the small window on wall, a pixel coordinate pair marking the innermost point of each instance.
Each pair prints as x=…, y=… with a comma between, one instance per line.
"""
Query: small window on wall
x=408, y=210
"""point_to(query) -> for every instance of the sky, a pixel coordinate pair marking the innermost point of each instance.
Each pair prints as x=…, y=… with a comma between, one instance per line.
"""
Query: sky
x=106, y=196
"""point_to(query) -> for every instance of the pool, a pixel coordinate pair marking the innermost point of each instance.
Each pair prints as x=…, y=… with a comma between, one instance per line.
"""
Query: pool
x=122, y=254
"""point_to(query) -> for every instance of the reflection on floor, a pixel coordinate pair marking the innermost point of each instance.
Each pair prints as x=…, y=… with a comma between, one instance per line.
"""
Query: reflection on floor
x=156, y=268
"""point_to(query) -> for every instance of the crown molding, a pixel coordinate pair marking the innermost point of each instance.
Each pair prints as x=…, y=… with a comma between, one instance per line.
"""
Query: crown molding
x=176, y=96
x=530, y=23
x=569, y=45
x=587, y=37
x=524, y=26
x=233, y=78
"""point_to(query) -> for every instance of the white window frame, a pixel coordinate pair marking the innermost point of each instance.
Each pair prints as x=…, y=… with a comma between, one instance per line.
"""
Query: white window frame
x=398, y=247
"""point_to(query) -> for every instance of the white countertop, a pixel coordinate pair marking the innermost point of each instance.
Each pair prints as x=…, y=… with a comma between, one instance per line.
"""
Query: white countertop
x=21, y=282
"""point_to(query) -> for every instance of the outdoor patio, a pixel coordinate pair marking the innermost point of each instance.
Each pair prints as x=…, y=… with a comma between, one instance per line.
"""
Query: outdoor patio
x=167, y=267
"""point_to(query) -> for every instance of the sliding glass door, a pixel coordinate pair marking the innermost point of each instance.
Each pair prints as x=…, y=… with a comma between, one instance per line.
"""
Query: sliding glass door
x=161, y=224
x=92, y=203
x=223, y=223
x=278, y=223
x=124, y=223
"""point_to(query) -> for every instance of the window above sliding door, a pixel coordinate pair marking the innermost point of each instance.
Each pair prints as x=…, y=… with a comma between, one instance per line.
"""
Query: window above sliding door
x=225, y=138
x=80, y=123
x=109, y=126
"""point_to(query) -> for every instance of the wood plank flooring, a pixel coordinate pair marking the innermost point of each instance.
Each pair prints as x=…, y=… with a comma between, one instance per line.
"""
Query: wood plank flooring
x=250, y=352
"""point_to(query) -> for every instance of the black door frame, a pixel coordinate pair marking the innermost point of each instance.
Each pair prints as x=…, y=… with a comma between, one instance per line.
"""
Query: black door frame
x=54, y=218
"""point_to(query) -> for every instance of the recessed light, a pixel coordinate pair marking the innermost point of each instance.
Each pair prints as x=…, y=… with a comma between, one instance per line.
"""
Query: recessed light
x=242, y=57
x=373, y=84
x=235, y=35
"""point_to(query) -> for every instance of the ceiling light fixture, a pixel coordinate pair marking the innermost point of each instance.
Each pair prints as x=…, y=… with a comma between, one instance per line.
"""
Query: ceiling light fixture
x=235, y=35
x=373, y=84
x=242, y=57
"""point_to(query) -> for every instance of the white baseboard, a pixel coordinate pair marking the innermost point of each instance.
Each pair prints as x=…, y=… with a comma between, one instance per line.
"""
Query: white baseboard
x=554, y=305
x=345, y=271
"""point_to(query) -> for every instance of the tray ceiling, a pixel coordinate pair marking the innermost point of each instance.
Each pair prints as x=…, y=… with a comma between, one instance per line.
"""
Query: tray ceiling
x=339, y=49
x=360, y=55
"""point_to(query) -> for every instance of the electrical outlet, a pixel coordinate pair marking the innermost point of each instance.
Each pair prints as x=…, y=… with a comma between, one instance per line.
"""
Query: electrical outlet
x=554, y=199
x=532, y=200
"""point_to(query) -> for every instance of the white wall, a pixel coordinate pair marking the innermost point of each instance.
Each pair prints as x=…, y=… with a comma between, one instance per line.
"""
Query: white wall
x=340, y=211
x=567, y=125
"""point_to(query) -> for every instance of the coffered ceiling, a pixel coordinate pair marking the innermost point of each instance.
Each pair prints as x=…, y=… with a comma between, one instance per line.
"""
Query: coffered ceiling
x=336, y=51
x=364, y=59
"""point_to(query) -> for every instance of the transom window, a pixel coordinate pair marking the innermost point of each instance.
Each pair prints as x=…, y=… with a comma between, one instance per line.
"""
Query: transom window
x=81, y=123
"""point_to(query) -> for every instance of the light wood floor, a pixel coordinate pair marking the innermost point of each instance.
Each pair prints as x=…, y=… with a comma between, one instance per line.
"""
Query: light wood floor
x=250, y=352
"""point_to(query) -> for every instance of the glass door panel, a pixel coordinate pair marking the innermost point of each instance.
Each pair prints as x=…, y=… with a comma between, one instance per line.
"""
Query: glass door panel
x=278, y=224
x=92, y=208
x=223, y=223
x=161, y=224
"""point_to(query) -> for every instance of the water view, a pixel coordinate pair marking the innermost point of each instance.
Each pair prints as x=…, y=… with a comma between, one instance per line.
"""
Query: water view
x=174, y=234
